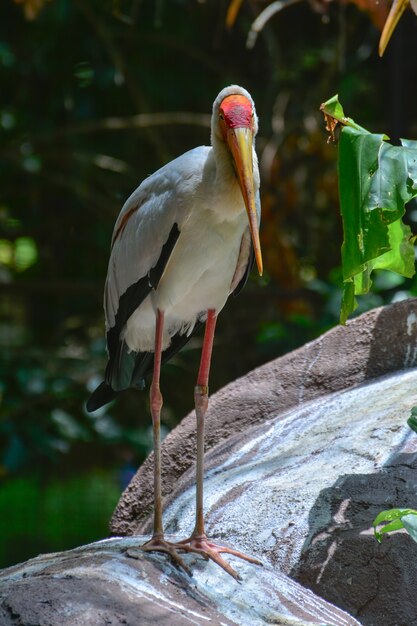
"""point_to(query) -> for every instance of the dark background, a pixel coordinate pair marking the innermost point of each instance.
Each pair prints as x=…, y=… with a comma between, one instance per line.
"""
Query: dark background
x=94, y=96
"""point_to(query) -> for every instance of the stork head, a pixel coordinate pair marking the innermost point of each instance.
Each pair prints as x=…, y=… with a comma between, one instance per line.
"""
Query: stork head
x=235, y=124
x=397, y=9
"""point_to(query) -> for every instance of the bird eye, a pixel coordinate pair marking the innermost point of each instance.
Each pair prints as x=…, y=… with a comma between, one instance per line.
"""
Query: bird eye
x=221, y=116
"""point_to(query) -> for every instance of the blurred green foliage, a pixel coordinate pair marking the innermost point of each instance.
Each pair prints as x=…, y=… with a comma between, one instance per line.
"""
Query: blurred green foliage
x=95, y=96
x=54, y=515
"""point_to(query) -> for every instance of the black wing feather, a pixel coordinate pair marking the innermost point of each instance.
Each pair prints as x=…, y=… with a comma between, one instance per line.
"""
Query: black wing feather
x=143, y=367
x=123, y=363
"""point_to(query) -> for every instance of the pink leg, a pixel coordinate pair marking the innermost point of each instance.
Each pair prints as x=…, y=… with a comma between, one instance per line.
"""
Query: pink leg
x=156, y=402
x=198, y=541
x=201, y=405
x=158, y=541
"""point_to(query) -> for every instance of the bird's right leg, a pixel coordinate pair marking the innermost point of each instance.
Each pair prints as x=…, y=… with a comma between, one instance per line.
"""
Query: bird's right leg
x=158, y=541
x=198, y=542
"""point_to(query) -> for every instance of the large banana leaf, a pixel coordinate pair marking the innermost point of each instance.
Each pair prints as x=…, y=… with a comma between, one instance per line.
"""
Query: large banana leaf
x=376, y=180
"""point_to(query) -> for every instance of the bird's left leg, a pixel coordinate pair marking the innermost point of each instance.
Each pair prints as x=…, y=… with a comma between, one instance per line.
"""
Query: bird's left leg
x=158, y=542
x=198, y=542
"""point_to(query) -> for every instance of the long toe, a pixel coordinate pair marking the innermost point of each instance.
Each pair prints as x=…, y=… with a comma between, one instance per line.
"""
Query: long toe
x=159, y=544
x=210, y=550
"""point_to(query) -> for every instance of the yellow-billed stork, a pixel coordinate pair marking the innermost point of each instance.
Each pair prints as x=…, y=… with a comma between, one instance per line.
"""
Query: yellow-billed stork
x=184, y=241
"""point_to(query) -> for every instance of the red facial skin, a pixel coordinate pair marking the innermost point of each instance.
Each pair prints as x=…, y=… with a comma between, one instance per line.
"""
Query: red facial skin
x=235, y=112
x=236, y=121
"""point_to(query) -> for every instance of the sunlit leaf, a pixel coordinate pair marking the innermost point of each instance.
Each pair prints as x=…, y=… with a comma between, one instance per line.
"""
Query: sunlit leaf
x=334, y=114
x=397, y=519
x=6, y=252
x=376, y=180
x=412, y=420
x=25, y=253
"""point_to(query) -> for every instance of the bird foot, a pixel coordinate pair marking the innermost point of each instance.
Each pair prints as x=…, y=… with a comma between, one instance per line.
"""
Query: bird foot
x=158, y=543
x=209, y=550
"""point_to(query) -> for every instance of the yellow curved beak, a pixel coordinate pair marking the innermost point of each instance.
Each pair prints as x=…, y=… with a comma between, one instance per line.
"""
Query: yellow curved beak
x=240, y=141
x=397, y=9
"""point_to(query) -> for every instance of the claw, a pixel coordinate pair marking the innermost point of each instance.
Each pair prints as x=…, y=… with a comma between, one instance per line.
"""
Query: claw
x=209, y=550
x=159, y=544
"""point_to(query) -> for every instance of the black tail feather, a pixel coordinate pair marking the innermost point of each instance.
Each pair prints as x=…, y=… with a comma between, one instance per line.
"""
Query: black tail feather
x=101, y=396
x=130, y=369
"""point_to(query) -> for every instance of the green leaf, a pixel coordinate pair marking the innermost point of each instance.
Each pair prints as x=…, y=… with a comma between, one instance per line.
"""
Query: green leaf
x=349, y=303
x=26, y=253
x=397, y=519
x=376, y=180
x=412, y=420
x=363, y=239
x=410, y=524
x=389, y=528
x=400, y=258
x=389, y=515
x=332, y=108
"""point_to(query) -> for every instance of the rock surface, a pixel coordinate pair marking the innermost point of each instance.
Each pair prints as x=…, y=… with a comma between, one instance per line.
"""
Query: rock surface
x=301, y=492
x=376, y=343
x=99, y=585
x=299, y=473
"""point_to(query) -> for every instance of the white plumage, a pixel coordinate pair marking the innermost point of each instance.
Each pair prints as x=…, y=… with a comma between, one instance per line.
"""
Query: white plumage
x=199, y=273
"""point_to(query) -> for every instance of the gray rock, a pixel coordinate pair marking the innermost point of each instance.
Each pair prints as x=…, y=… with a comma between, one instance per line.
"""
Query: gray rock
x=100, y=585
x=381, y=341
x=301, y=492
x=304, y=452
